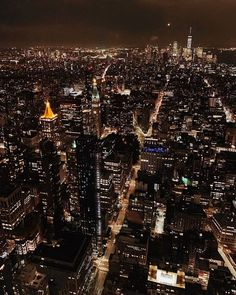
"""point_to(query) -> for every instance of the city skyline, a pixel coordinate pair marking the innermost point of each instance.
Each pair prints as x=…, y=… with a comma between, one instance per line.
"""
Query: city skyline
x=116, y=22
x=117, y=147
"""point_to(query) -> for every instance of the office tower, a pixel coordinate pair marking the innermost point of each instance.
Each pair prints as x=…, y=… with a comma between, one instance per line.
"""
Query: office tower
x=71, y=116
x=188, y=52
x=144, y=199
x=89, y=177
x=153, y=156
x=49, y=124
x=50, y=184
x=96, y=112
x=190, y=39
x=35, y=176
x=113, y=165
x=34, y=168
x=72, y=180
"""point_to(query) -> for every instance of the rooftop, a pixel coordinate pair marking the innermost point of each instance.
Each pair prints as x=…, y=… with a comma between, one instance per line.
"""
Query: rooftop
x=7, y=190
x=67, y=254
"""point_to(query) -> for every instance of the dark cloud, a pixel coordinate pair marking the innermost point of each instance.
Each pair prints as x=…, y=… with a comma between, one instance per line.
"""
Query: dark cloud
x=116, y=22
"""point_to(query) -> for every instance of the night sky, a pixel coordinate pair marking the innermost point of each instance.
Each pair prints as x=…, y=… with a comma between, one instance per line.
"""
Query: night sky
x=116, y=22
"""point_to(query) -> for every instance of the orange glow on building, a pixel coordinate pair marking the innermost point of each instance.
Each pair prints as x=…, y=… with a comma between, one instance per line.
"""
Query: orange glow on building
x=48, y=113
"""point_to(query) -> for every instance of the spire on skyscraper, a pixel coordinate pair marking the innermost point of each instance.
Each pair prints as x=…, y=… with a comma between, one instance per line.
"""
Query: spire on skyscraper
x=190, y=31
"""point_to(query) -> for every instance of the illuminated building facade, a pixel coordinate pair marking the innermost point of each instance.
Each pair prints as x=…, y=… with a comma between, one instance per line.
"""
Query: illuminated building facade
x=28, y=234
x=14, y=154
x=224, y=229
x=73, y=179
x=49, y=124
x=96, y=110
x=108, y=197
x=144, y=199
x=153, y=156
x=188, y=51
x=190, y=39
x=11, y=208
x=113, y=165
x=71, y=116
x=87, y=121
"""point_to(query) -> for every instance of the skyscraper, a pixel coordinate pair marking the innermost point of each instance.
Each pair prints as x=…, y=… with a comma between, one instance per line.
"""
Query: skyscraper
x=89, y=177
x=73, y=179
x=50, y=184
x=71, y=115
x=49, y=123
x=96, y=112
x=190, y=39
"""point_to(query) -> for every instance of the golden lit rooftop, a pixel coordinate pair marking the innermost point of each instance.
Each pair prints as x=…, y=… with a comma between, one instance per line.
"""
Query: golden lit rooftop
x=48, y=113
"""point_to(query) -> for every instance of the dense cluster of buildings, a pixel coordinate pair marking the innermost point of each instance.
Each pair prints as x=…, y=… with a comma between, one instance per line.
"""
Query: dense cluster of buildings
x=117, y=172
